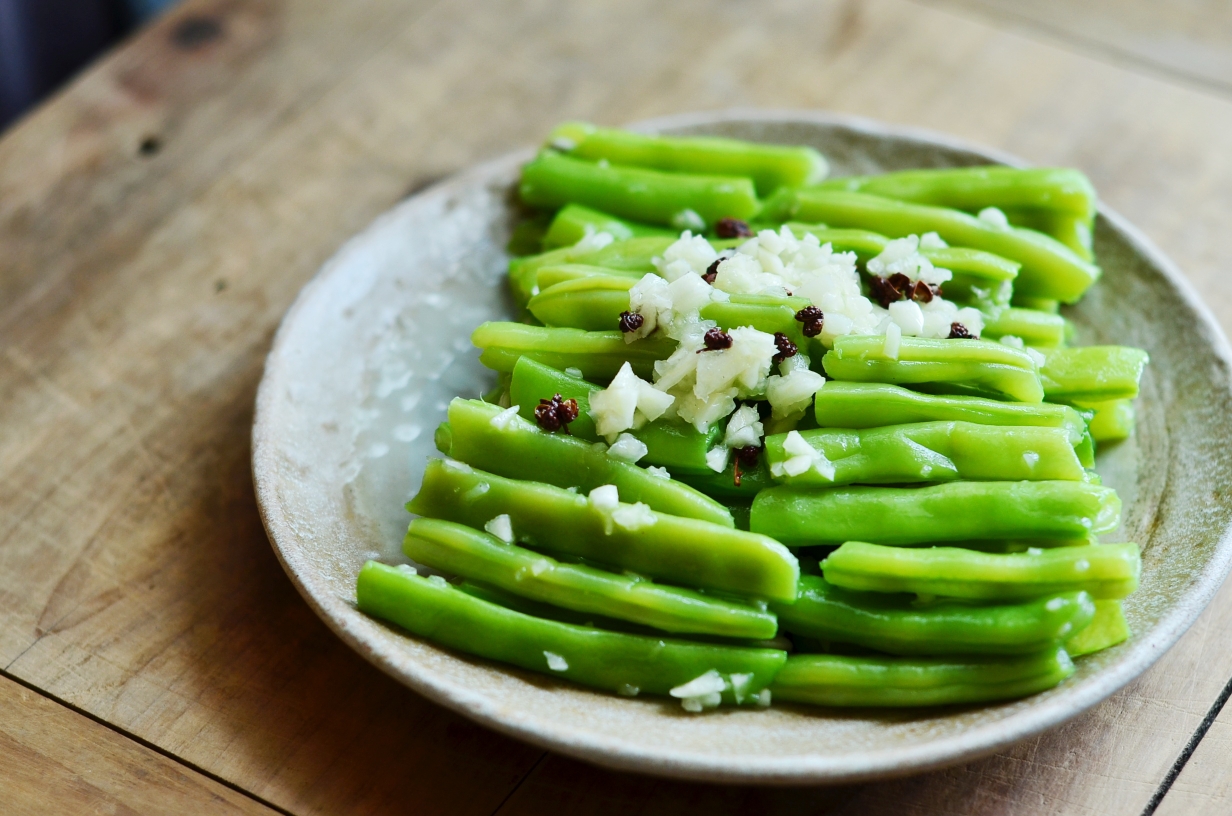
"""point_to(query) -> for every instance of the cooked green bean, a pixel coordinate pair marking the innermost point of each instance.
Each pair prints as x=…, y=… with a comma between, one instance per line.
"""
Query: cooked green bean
x=925, y=452
x=951, y=511
x=1058, y=201
x=574, y=222
x=613, y=661
x=1105, y=571
x=836, y=680
x=512, y=447
x=1107, y=629
x=473, y=554
x=1034, y=328
x=684, y=551
x=1113, y=420
x=1092, y=373
x=593, y=303
x=1048, y=189
x=981, y=364
x=1049, y=268
x=898, y=624
x=870, y=405
x=769, y=166
x=652, y=196
x=598, y=355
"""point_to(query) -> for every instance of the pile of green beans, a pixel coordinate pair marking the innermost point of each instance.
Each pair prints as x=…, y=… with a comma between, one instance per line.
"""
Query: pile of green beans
x=924, y=531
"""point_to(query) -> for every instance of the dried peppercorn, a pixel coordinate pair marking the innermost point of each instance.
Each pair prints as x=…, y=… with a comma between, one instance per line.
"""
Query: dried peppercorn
x=924, y=292
x=959, y=332
x=785, y=347
x=812, y=318
x=556, y=414
x=884, y=291
x=712, y=271
x=715, y=340
x=746, y=456
x=631, y=321
x=732, y=228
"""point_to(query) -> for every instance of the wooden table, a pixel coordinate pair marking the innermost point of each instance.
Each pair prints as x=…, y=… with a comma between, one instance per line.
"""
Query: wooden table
x=158, y=216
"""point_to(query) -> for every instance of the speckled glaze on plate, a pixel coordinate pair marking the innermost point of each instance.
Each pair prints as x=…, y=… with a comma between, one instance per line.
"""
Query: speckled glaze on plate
x=375, y=346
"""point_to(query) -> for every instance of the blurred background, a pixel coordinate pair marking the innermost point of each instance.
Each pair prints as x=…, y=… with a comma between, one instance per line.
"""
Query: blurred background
x=44, y=42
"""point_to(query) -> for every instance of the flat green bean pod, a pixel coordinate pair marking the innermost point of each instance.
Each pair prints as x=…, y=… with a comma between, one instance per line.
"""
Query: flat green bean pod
x=1113, y=420
x=593, y=303
x=1092, y=373
x=951, y=511
x=871, y=405
x=926, y=452
x=1108, y=628
x=598, y=355
x=1034, y=328
x=684, y=551
x=769, y=166
x=613, y=661
x=1105, y=571
x=899, y=625
x=652, y=196
x=476, y=555
x=1049, y=189
x=573, y=222
x=900, y=682
x=980, y=364
x=486, y=437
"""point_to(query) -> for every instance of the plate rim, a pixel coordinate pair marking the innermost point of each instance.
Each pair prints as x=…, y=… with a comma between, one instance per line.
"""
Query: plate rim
x=779, y=770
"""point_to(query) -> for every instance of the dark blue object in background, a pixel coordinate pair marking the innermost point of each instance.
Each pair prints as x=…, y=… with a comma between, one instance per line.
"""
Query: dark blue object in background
x=44, y=42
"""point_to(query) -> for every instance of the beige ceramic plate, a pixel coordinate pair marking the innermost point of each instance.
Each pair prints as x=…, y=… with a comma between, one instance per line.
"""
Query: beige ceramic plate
x=376, y=345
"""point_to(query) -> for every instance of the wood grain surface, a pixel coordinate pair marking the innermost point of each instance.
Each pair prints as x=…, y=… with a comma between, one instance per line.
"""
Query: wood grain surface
x=159, y=216
x=55, y=760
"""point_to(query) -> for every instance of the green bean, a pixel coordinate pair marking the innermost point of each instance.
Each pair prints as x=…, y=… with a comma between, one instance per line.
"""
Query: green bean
x=1047, y=189
x=981, y=364
x=870, y=405
x=652, y=196
x=677, y=446
x=593, y=303
x=899, y=625
x=632, y=255
x=573, y=222
x=685, y=551
x=612, y=661
x=1107, y=629
x=559, y=273
x=1049, y=268
x=835, y=680
x=951, y=511
x=1075, y=231
x=769, y=166
x=1092, y=373
x=928, y=452
x=1104, y=571
x=1038, y=304
x=1113, y=420
x=462, y=551
x=1034, y=328
x=598, y=355
x=520, y=450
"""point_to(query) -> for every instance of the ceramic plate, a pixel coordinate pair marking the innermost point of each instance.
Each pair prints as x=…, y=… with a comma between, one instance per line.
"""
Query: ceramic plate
x=377, y=344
